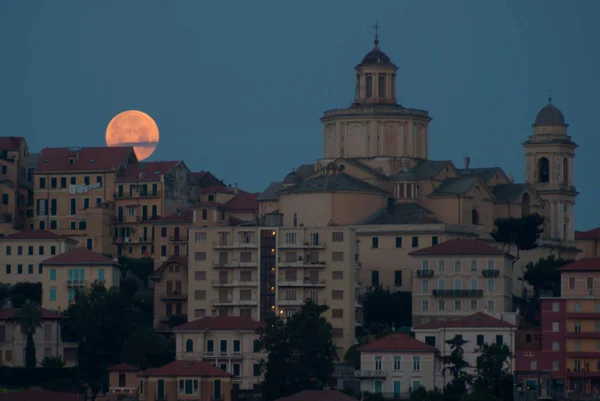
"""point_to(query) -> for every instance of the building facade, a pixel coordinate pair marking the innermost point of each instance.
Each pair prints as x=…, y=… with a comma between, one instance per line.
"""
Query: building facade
x=458, y=278
x=15, y=185
x=48, y=340
x=259, y=271
x=23, y=253
x=76, y=270
x=397, y=364
x=229, y=343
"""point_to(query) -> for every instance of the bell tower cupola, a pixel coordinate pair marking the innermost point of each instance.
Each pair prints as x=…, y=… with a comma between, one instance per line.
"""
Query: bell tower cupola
x=550, y=155
x=375, y=77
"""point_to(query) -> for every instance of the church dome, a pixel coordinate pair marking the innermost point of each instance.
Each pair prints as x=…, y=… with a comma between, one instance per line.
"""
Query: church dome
x=375, y=57
x=550, y=115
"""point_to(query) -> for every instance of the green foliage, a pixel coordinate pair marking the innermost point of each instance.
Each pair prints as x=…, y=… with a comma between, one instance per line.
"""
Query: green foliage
x=352, y=356
x=129, y=287
x=492, y=374
x=522, y=232
x=389, y=308
x=455, y=364
x=141, y=268
x=48, y=378
x=544, y=274
x=421, y=394
x=21, y=292
x=145, y=348
x=368, y=396
x=176, y=320
x=53, y=362
x=29, y=319
x=4, y=294
x=300, y=352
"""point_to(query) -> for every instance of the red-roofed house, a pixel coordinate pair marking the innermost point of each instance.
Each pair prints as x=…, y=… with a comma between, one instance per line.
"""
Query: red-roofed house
x=48, y=340
x=397, y=363
x=75, y=270
x=123, y=382
x=588, y=242
x=22, y=253
x=15, y=184
x=144, y=193
x=458, y=277
x=229, y=342
x=477, y=329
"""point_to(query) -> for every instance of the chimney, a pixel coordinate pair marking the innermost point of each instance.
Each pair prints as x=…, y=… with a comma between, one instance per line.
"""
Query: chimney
x=235, y=188
x=467, y=162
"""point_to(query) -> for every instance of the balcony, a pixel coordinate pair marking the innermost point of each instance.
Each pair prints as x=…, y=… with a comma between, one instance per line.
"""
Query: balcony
x=583, y=315
x=490, y=273
x=136, y=194
x=588, y=334
x=301, y=263
x=234, y=245
x=290, y=302
x=178, y=239
x=307, y=282
x=235, y=302
x=174, y=296
x=225, y=264
x=369, y=374
x=304, y=245
x=457, y=293
x=583, y=354
x=425, y=273
x=234, y=283
x=76, y=283
x=132, y=240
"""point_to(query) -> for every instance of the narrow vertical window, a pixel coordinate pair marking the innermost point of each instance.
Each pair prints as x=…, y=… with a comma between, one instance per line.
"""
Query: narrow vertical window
x=381, y=86
x=369, y=86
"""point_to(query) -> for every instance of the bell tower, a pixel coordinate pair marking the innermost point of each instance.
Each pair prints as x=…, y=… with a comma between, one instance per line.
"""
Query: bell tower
x=549, y=154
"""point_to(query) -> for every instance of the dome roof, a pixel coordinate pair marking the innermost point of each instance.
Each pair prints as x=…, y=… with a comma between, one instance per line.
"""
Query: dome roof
x=376, y=56
x=550, y=115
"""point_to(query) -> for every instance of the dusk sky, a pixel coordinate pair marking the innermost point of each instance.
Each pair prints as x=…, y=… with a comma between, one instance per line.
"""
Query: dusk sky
x=238, y=87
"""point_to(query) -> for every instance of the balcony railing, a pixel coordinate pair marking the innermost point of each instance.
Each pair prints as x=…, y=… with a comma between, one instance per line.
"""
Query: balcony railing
x=490, y=273
x=132, y=240
x=457, y=293
x=222, y=354
x=174, y=295
x=304, y=245
x=425, y=273
x=583, y=315
x=76, y=283
x=589, y=334
x=301, y=263
x=234, y=263
x=234, y=283
x=135, y=194
x=370, y=373
x=235, y=244
x=234, y=302
x=307, y=282
x=178, y=239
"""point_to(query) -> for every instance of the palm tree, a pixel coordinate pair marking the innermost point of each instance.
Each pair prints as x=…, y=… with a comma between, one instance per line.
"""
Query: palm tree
x=29, y=318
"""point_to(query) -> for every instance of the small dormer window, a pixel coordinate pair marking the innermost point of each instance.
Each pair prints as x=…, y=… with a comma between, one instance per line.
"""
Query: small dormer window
x=71, y=160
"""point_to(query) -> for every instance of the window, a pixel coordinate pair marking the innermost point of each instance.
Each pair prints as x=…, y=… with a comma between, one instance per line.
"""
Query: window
x=337, y=275
x=375, y=278
x=590, y=283
x=204, y=214
x=490, y=306
x=52, y=294
x=430, y=340
x=458, y=284
x=571, y=283
x=19, y=269
x=42, y=182
x=375, y=242
x=474, y=283
x=30, y=269
x=337, y=294
x=73, y=206
x=5, y=199
x=337, y=313
x=434, y=240
x=52, y=274
x=52, y=249
x=415, y=242
x=577, y=306
x=236, y=346
x=499, y=339
x=555, y=327
x=337, y=237
x=416, y=363
x=555, y=346
x=425, y=286
x=337, y=256
x=256, y=346
x=256, y=369
x=555, y=365
x=397, y=363
x=543, y=170
x=491, y=285
x=398, y=242
x=533, y=365
x=473, y=305
x=19, y=250
x=555, y=307
x=425, y=265
x=377, y=363
x=457, y=305
x=425, y=305
x=441, y=284
x=479, y=339
x=8, y=250
x=210, y=346
x=442, y=266
x=457, y=266
x=441, y=305
x=398, y=278
x=30, y=250
x=189, y=345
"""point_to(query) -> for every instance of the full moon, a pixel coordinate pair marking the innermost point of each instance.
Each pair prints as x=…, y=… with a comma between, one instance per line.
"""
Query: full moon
x=133, y=128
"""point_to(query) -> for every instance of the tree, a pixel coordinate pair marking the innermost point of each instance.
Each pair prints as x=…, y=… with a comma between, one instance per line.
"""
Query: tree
x=421, y=394
x=492, y=373
x=141, y=268
x=300, y=352
x=456, y=365
x=29, y=319
x=522, y=232
x=145, y=348
x=53, y=362
x=176, y=320
x=544, y=275
x=387, y=308
x=21, y=292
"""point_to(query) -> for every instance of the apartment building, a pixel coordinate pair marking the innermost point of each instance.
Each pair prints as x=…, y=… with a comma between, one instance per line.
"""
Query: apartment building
x=229, y=343
x=76, y=270
x=256, y=271
x=457, y=278
x=397, y=364
x=48, y=340
x=15, y=184
x=476, y=329
x=144, y=192
x=23, y=253
x=170, y=283
x=74, y=192
x=171, y=236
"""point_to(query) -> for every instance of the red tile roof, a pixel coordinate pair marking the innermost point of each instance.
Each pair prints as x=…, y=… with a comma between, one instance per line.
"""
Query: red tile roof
x=86, y=159
x=582, y=265
x=122, y=367
x=146, y=171
x=183, y=216
x=397, y=342
x=35, y=235
x=40, y=395
x=79, y=256
x=460, y=247
x=592, y=234
x=318, y=395
x=222, y=323
x=9, y=314
x=187, y=369
x=10, y=142
x=199, y=174
x=478, y=319
x=243, y=201
x=217, y=189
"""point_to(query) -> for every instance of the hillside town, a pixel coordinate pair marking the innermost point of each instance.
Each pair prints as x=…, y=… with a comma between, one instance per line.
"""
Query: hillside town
x=370, y=273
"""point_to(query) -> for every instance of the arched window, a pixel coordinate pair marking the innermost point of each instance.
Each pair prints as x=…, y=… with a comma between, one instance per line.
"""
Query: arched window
x=474, y=217
x=189, y=345
x=525, y=204
x=543, y=170
x=566, y=171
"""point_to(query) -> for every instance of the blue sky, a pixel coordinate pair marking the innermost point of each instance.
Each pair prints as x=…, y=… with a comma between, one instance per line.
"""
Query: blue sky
x=237, y=87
